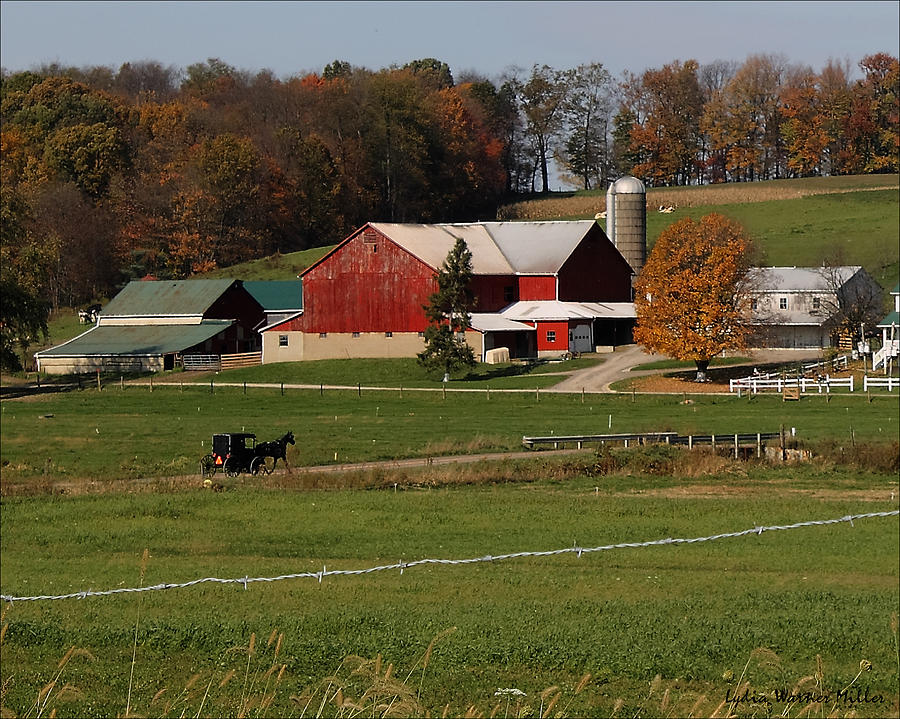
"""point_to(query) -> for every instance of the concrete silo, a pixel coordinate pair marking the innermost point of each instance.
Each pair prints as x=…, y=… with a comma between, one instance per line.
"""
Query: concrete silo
x=626, y=219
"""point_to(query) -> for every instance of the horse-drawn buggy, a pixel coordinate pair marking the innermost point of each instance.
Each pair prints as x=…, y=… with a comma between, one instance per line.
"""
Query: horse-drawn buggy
x=239, y=452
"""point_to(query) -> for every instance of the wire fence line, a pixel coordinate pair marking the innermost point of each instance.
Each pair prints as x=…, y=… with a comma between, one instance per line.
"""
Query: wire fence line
x=401, y=566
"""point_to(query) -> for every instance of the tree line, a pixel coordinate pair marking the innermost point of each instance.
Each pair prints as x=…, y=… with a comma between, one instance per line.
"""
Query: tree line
x=150, y=170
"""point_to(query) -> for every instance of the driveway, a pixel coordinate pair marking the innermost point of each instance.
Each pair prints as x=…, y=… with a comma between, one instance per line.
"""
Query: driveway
x=617, y=366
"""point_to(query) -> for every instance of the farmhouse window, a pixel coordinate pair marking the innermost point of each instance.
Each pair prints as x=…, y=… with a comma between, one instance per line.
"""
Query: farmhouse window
x=282, y=340
x=551, y=336
x=754, y=304
x=782, y=303
x=817, y=301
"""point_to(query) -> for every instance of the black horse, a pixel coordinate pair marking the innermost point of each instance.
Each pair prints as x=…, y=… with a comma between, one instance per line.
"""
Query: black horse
x=276, y=449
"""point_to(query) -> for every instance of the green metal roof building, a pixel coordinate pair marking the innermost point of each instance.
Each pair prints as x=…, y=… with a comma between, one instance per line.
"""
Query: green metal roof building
x=153, y=325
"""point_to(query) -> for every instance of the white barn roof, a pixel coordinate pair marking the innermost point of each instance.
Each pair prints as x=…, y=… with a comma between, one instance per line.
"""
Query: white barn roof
x=498, y=248
x=553, y=310
x=801, y=279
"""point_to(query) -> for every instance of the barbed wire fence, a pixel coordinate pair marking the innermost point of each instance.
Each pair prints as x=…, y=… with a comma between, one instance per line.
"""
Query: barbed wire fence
x=402, y=566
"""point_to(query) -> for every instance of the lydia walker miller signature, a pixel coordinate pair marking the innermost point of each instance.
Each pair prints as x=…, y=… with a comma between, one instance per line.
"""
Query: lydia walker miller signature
x=855, y=695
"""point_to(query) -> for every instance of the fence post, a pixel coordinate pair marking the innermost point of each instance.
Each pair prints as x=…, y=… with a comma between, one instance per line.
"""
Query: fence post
x=211, y=388
x=758, y=445
x=282, y=389
x=735, y=446
x=151, y=383
x=245, y=386
x=851, y=383
x=98, y=381
x=358, y=389
x=690, y=441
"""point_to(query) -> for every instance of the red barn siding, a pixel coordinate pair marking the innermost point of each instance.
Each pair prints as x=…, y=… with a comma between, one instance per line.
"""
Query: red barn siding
x=595, y=272
x=366, y=286
x=238, y=304
x=541, y=287
x=562, y=336
x=493, y=292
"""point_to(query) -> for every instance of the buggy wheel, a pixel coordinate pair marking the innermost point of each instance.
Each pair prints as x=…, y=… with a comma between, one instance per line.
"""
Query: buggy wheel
x=207, y=466
x=258, y=466
x=231, y=467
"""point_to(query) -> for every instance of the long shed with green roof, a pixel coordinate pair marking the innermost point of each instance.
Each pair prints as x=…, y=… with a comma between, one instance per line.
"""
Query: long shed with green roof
x=151, y=325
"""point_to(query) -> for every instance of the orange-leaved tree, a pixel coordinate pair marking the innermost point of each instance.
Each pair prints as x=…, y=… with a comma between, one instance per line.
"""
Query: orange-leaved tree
x=692, y=296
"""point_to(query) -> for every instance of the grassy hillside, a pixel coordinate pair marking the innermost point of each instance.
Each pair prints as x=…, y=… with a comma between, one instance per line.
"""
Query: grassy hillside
x=795, y=222
x=276, y=267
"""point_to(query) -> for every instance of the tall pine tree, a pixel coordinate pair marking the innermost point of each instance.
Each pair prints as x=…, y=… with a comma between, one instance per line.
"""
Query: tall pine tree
x=448, y=312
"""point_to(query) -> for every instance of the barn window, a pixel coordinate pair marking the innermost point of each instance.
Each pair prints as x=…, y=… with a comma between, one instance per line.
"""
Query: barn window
x=782, y=303
x=551, y=336
x=282, y=340
x=388, y=334
x=323, y=335
x=355, y=334
x=508, y=295
x=421, y=334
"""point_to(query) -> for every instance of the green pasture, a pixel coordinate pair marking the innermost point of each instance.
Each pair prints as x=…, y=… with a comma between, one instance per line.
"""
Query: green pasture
x=406, y=372
x=275, y=267
x=860, y=228
x=135, y=432
x=697, y=615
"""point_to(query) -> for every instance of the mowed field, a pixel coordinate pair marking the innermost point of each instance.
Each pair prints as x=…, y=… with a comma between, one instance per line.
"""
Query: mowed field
x=660, y=630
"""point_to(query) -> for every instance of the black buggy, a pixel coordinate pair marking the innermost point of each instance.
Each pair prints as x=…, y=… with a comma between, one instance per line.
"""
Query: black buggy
x=240, y=452
x=232, y=454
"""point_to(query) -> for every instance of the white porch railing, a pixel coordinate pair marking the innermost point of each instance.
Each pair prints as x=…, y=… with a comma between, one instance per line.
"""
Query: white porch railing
x=891, y=348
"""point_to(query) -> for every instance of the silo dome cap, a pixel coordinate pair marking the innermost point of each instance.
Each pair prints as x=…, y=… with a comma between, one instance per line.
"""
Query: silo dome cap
x=629, y=185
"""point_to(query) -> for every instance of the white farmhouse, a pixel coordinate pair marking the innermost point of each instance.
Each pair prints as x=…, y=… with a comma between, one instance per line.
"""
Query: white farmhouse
x=793, y=307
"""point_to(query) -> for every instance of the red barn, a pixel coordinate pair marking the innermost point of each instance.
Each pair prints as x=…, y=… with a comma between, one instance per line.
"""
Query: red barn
x=542, y=289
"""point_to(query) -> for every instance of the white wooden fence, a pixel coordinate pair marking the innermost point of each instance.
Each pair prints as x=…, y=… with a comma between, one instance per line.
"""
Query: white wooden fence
x=891, y=383
x=777, y=384
x=809, y=385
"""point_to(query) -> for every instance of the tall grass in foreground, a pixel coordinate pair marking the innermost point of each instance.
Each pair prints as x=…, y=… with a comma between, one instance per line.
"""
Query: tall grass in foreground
x=252, y=681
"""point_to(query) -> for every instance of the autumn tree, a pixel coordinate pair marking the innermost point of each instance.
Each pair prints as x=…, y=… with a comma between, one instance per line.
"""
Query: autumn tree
x=448, y=313
x=587, y=110
x=668, y=104
x=691, y=297
x=543, y=98
x=805, y=125
x=23, y=311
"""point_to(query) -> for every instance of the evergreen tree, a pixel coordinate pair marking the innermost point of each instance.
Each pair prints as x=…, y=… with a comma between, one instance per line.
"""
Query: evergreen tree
x=448, y=313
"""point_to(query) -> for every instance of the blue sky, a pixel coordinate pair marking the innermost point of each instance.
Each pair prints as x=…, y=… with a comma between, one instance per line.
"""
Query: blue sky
x=291, y=38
